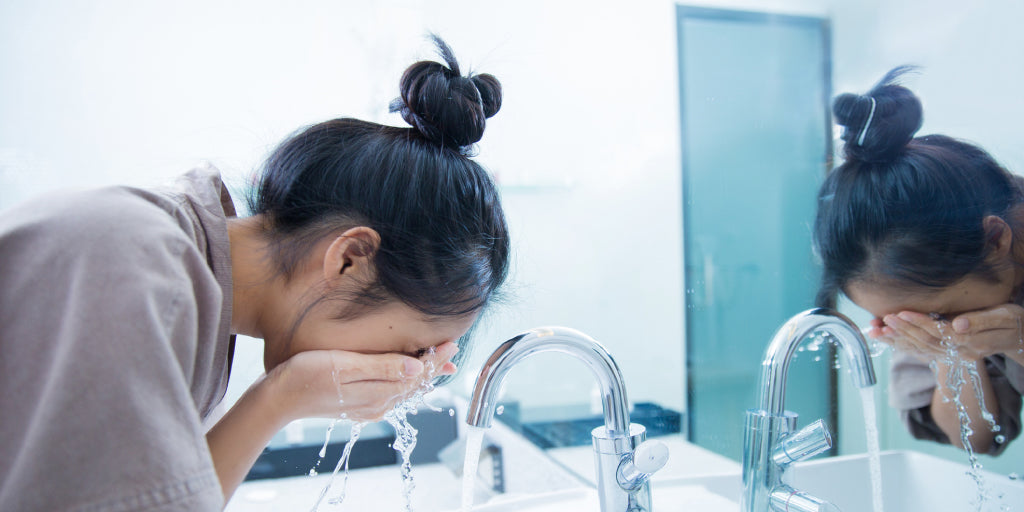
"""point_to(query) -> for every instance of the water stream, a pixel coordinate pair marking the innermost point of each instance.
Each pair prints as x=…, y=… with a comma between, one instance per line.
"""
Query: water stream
x=405, y=433
x=867, y=398
x=955, y=380
x=474, y=442
x=405, y=439
x=323, y=449
x=353, y=437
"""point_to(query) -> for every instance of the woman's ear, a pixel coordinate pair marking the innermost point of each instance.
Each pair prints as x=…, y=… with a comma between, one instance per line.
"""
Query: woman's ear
x=998, y=236
x=351, y=255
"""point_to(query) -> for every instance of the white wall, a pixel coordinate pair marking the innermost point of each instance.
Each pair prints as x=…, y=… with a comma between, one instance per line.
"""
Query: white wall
x=969, y=84
x=586, y=145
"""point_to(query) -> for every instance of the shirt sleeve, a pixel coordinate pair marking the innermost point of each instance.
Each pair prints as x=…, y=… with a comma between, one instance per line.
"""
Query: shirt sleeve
x=96, y=408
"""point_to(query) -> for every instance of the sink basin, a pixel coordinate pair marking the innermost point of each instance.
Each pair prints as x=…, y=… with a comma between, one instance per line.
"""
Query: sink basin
x=911, y=481
x=692, y=498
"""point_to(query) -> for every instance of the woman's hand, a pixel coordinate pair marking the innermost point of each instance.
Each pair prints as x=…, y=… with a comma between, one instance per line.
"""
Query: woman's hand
x=316, y=383
x=991, y=331
x=362, y=387
x=976, y=334
x=909, y=331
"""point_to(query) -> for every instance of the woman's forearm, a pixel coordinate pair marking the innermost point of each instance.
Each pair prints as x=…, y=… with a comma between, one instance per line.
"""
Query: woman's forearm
x=237, y=440
x=945, y=410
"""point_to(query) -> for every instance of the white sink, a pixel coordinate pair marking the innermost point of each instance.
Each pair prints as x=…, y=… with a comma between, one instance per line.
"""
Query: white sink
x=691, y=498
x=911, y=481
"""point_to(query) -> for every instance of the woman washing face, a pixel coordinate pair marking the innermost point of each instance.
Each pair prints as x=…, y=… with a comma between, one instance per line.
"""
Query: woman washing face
x=927, y=234
x=370, y=252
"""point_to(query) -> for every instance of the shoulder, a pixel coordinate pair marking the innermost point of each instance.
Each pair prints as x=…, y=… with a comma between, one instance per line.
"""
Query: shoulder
x=114, y=249
x=114, y=224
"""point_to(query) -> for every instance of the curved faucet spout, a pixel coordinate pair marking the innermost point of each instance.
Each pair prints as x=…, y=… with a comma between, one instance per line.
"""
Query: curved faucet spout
x=770, y=428
x=552, y=339
x=775, y=365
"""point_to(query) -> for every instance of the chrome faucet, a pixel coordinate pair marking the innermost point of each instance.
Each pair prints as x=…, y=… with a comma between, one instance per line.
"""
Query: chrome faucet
x=770, y=445
x=625, y=461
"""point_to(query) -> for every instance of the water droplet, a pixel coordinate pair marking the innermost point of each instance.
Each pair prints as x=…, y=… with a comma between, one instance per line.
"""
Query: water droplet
x=500, y=410
x=451, y=412
x=1014, y=476
x=876, y=347
x=1000, y=439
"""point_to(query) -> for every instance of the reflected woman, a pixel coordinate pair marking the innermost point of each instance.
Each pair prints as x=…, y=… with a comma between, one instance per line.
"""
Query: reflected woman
x=370, y=252
x=927, y=234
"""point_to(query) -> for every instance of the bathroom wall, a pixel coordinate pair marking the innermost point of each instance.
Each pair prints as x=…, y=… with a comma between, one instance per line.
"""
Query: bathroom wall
x=136, y=92
x=585, y=148
x=970, y=89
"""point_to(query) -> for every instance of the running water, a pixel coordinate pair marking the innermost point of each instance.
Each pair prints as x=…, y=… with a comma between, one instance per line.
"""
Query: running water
x=474, y=441
x=405, y=433
x=867, y=398
x=323, y=449
x=405, y=438
x=353, y=437
x=955, y=381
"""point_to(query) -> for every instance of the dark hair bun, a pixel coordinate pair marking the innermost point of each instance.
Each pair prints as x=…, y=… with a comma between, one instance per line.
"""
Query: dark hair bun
x=447, y=108
x=879, y=124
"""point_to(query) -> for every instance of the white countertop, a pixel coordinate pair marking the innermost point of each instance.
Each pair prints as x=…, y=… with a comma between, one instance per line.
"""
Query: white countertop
x=685, y=459
x=377, y=488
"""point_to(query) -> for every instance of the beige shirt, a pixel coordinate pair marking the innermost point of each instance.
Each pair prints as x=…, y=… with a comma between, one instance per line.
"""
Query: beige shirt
x=115, y=314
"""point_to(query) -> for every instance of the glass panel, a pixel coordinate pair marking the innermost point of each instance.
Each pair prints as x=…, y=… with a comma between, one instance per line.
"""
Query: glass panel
x=754, y=91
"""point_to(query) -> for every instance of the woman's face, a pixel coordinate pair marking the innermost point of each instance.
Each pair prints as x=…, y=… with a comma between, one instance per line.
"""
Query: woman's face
x=391, y=328
x=969, y=294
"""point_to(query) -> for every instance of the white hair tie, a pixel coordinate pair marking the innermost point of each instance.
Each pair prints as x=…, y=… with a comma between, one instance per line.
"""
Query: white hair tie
x=864, y=131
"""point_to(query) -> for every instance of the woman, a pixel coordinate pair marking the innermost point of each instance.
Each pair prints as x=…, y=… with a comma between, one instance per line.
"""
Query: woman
x=927, y=234
x=370, y=253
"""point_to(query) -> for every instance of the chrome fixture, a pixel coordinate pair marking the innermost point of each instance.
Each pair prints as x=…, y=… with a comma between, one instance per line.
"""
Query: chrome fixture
x=770, y=445
x=625, y=461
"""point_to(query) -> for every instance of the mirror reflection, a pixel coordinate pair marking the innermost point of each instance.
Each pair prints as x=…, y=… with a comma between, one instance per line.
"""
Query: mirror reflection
x=673, y=180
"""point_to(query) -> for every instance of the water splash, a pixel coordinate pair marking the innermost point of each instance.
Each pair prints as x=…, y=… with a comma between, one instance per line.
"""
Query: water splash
x=955, y=380
x=405, y=433
x=353, y=437
x=405, y=436
x=323, y=449
x=867, y=398
x=875, y=347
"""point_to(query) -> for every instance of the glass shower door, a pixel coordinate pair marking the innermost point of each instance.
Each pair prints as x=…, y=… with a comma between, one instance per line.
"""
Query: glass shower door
x=754, y=92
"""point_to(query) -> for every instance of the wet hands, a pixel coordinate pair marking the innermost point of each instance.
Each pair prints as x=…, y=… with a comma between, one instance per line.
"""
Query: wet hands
x=975, y=335
x=357, y=386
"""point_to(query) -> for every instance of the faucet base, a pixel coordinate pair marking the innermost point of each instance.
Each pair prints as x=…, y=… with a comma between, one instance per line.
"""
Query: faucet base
x=609, y=450
x=761, y=432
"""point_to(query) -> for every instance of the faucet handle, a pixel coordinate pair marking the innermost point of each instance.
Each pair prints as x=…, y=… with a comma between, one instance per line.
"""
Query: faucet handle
x=636, y=467
x=808, y=442
x=650, y=456
x=787, y=499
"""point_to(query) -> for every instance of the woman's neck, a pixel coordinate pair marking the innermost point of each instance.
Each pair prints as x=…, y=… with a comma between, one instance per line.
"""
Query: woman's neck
x=252, y=276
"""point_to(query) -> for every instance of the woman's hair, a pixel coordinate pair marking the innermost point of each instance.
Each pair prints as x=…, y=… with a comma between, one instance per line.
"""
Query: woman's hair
x=444, y=244
x=904, y=211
